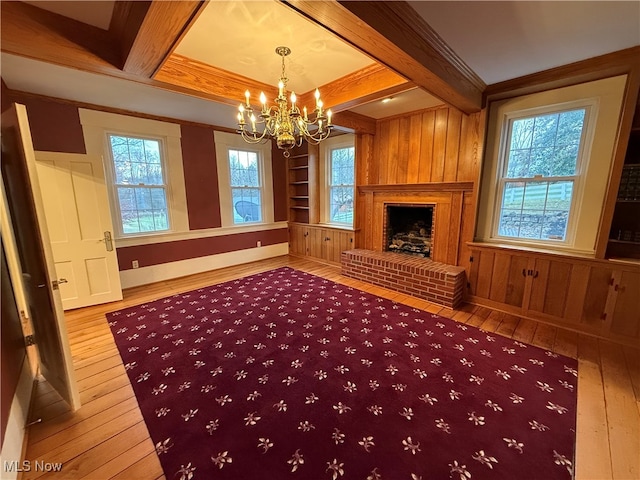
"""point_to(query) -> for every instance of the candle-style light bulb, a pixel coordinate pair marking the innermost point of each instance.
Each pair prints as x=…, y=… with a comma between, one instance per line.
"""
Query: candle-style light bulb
x=329, y=113
x=263, y=101
x=253, y=122
x=304, y=110
x=280, y=88
x=317, y=95
x=246, y=96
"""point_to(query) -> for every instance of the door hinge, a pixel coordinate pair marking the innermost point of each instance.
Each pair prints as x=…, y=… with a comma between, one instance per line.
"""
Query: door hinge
x=30, y=340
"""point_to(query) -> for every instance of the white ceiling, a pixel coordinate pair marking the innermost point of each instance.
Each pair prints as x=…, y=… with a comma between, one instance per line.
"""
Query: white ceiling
x=242, y=37
x=508, y=39
x=499, y=40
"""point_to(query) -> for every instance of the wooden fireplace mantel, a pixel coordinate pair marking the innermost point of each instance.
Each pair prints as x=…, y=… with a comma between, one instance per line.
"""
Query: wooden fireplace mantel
x=451, y=200
x=418, y=187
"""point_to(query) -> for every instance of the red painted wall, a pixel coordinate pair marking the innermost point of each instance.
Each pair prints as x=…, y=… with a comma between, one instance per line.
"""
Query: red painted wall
x=55, y=127
x=158, y=253
x=200, y=177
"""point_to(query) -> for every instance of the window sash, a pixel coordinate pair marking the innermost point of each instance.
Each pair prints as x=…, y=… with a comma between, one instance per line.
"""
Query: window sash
x=340, y=212
x=147, y=215
x=536, y=216
x=247, y=188
x=535, y=222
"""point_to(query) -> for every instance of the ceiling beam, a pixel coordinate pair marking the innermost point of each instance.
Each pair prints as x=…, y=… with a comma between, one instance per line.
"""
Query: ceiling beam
x=221, y=85
x=395, y=35
x=36, y=33
x=149, y=31
x=362, y=86
x=355, y=122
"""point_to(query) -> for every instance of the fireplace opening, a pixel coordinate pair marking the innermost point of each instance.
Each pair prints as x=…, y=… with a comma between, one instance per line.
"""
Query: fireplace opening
x=409, y=229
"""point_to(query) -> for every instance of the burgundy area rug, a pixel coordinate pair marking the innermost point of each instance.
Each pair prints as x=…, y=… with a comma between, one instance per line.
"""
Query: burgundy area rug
x=288, y=375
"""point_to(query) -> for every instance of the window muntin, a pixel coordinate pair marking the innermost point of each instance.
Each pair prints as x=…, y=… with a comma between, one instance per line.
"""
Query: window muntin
x=541, y=168
x=246, y=186
x=139, y=183
x=341, y=185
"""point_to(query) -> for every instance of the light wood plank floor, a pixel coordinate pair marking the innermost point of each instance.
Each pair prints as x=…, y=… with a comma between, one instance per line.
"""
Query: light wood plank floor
x=107, y=438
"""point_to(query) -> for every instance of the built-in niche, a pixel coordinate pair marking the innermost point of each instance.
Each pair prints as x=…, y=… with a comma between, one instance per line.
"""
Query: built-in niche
x=409, y=229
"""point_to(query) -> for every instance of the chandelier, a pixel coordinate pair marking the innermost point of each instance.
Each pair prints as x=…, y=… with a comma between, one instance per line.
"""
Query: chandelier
x=281, y=122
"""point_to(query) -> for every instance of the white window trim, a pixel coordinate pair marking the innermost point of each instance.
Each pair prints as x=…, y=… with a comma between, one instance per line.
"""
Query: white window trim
x=224, y=142
x=586, y=141
x=607, y=95
x=333, y=143
x=97, y=126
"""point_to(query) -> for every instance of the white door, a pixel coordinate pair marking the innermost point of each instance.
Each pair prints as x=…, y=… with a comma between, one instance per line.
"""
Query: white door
x=20, y=179
x=76, y=206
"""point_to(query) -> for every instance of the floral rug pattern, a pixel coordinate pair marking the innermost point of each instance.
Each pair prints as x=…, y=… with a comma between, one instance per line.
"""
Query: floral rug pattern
x=288, y=375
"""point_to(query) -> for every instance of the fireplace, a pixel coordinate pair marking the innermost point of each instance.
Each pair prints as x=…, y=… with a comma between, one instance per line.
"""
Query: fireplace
x=409, y=229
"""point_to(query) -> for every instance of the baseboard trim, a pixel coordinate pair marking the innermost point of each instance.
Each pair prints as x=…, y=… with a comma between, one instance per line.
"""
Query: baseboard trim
x=166, y=271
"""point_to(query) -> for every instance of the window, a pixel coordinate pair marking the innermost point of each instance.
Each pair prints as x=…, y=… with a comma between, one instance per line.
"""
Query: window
x=547, y=165
x=541, y=167
x=341, y=181
x=139, y=183
x=246, y=188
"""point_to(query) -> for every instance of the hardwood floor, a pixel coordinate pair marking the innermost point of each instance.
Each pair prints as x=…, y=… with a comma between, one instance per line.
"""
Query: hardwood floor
x=107, y=438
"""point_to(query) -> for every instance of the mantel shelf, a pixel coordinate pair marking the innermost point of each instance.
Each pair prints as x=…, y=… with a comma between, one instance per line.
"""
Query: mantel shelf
x=418, y=187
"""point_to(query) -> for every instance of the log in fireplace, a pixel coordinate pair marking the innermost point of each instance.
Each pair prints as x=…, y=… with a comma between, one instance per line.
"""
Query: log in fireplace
x=409, y=229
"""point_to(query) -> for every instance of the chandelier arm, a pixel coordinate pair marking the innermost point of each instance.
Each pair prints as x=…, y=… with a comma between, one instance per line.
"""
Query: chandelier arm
x=286, y=125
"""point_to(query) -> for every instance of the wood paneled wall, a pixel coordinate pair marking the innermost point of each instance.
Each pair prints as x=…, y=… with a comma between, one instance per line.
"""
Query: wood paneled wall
x=431, y=146
x=435, y=145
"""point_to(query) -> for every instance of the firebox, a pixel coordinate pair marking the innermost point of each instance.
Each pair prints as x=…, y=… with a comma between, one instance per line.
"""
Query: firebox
x=409, y=229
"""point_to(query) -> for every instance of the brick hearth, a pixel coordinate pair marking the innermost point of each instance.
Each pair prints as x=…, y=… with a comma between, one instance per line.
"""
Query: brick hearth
x=420, y=277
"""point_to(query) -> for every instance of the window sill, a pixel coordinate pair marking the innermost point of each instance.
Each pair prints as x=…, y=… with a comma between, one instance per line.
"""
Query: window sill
x=192, y=234
x=335, y=226
x=501, y=245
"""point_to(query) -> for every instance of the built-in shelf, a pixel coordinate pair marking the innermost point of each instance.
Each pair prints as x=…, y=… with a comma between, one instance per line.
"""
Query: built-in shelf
x=624, y=242
x=302, y=155
x=628, y=201
x=304, y=182
x=298, y=207
x=299, y=167
x=300, y=197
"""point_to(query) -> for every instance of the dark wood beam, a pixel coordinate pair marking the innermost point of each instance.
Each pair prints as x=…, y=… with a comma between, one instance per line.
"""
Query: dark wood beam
x=149, y=31
x=395, y=35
